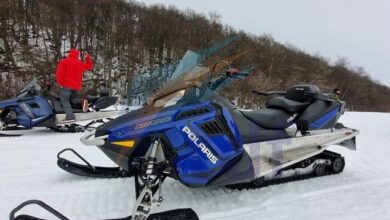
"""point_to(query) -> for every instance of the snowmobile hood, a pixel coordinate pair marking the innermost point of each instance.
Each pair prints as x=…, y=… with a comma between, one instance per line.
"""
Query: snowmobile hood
x=7, y=102
x=13, y=101
x=74, y=53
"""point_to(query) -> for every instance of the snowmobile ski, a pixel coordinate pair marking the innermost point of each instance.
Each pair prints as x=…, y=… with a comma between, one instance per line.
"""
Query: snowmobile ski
x=28, y=217
x=3, y=128
x=10, y=135
x=15, y=128
x=88, y=170
x=176, y=214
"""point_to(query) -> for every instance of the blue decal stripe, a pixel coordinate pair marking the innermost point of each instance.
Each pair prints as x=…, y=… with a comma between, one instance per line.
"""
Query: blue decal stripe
x=324, y=119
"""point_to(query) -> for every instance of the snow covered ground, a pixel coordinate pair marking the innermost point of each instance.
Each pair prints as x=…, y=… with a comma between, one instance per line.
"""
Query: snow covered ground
x=28, y=170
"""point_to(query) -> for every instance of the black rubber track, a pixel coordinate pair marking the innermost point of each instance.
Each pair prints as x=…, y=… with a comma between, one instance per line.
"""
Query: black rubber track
x=72, y=128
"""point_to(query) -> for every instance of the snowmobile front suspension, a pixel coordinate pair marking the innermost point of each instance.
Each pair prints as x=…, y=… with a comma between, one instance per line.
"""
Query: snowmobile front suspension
x=149, y=175
x=88, y=169
x=148, y=181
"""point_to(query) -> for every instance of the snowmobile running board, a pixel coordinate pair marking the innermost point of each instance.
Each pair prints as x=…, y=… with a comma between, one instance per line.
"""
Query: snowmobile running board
x=176, y=214
x=91, y=115
x=88, y=170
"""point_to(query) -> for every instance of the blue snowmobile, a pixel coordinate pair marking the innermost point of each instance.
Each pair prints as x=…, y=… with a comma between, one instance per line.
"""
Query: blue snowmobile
x=189, y=133
x=35, y=108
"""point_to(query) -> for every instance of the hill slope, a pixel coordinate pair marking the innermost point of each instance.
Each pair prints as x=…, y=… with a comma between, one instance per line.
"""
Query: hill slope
x=128, y=38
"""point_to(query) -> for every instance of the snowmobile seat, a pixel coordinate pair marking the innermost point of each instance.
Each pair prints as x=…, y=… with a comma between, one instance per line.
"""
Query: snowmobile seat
x=104, y=102
x=57, y=107
x=296, y=100
x=287, y=104
x=269, y=118
x=250, y=132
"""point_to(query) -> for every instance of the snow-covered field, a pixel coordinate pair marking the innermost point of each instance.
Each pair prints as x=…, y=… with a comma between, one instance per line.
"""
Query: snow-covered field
x=28, y=170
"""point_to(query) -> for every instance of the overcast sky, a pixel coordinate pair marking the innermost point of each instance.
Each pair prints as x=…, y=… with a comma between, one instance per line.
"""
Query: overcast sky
x=355, y=29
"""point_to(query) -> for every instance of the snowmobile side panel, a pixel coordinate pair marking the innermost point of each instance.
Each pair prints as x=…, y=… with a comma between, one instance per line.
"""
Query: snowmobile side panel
x=205, y=137
x=40, y=107
x=233, y=127
x=47, y=122
x=321, y=114
x=326, y=121
x=33, y=111
x=240, y=171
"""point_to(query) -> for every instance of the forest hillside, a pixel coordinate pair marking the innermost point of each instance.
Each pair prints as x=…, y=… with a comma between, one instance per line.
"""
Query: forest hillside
x=128, y=41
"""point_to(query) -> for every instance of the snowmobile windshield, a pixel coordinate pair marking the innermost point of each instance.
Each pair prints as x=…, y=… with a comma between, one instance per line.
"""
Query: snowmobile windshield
x=175, y=89
x=191, y=75
x=33, y=85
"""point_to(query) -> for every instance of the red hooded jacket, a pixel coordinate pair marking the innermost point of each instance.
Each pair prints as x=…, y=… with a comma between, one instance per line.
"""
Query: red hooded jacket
x=70, y=70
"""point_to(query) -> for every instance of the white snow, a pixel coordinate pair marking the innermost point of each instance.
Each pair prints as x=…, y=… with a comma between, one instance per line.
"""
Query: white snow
x=28, y=170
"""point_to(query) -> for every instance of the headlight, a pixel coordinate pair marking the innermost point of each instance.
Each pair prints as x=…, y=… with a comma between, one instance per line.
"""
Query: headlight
x=1, y=111
x=170, y=99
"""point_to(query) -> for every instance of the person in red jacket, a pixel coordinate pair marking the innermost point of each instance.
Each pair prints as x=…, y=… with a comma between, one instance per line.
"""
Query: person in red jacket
x=69, y=76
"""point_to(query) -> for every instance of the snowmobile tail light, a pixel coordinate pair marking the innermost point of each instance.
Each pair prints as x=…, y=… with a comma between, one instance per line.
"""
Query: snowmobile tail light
x=170, y=99
x=128, y=144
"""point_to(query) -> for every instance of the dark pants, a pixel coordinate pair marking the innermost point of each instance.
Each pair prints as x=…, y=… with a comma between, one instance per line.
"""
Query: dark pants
x=66, y=96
